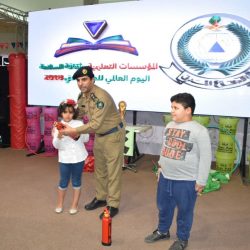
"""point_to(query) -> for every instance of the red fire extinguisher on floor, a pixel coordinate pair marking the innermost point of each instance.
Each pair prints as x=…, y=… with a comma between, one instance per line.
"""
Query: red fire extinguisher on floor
x=106, y=228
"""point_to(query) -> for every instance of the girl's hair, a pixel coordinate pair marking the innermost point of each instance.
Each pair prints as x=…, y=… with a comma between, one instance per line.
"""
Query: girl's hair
x=68, y=104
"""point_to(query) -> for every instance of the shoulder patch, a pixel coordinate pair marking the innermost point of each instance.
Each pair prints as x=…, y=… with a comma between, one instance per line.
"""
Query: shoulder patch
x=100, y=105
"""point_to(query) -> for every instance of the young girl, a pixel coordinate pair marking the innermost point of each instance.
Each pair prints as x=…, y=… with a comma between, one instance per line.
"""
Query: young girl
x=71, y=155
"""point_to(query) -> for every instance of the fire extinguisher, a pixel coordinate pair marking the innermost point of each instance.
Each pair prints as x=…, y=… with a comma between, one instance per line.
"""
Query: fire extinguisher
x=106, y=228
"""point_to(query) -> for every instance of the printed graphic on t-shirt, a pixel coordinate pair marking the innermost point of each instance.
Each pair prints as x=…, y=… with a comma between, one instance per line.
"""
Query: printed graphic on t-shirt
x=176, y=145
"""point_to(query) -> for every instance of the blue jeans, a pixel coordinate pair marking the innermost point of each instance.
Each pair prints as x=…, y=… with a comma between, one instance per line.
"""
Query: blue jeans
x=180, y=194
x=73, y=170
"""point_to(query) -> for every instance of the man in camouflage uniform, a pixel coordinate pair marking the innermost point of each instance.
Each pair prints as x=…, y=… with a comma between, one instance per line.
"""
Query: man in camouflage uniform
x=105, y=122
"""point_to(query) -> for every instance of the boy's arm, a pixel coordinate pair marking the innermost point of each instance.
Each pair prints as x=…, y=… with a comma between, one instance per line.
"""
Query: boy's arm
x=204, y=147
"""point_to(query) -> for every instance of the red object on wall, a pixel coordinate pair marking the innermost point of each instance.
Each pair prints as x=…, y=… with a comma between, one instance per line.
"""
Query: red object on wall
x=18, y=99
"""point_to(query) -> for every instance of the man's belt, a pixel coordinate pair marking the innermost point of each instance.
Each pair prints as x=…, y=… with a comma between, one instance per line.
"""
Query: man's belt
x=112, y=130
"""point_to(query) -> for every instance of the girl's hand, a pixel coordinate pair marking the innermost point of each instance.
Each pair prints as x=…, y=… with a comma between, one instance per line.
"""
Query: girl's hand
x=59, y=136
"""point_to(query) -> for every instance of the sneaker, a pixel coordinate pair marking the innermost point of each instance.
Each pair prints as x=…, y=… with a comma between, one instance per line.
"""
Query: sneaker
x=156, y=235
x=179, y=245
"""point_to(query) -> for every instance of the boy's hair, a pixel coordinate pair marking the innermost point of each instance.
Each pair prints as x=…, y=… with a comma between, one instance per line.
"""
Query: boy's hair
x=186, y=99
x=68, y=104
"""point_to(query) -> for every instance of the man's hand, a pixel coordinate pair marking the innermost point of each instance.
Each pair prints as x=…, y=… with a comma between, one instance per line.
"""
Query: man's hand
x=67, y=130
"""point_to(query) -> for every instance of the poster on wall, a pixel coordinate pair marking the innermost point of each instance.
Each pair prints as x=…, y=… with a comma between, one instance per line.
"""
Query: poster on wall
x=160, y=50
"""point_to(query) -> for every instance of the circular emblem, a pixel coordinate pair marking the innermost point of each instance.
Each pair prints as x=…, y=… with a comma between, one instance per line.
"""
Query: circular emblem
x=84, y=71
x=100, y=105
x=212, y=50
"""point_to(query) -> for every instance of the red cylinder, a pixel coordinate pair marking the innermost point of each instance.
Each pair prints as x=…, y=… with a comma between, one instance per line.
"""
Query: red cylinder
x=106, y=228
x=18, y=99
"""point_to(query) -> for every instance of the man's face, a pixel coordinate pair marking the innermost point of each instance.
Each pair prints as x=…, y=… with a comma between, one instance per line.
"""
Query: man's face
x=85, y=83
x=179, y=113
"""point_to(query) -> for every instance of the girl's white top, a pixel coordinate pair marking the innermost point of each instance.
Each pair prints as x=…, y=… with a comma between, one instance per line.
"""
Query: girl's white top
x=70, y=150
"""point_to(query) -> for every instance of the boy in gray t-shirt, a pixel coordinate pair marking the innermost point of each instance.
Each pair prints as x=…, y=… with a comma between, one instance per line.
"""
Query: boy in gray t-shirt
x=184, y=162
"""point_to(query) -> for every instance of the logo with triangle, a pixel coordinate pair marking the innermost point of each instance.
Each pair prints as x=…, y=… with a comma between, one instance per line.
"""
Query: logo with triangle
x=216, y=48
x=211, y=52
x=95, y=28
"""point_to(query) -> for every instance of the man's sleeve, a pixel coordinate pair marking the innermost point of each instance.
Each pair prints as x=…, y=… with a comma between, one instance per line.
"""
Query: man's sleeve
x=96, y=120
